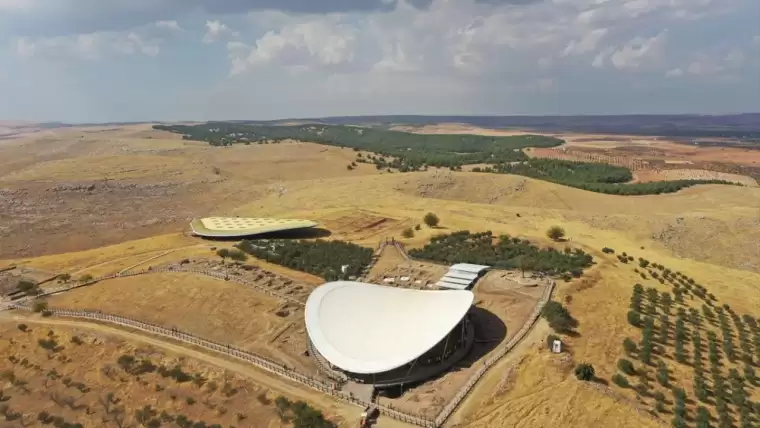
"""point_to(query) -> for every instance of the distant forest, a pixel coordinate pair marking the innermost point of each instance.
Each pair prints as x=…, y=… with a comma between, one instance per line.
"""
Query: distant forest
x=600, y=178
x=405, y=152
x=744, y=126
x=409, y=152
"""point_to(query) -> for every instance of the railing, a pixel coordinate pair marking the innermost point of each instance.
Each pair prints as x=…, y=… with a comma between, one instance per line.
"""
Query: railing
x=256, y=360
x=269, y=365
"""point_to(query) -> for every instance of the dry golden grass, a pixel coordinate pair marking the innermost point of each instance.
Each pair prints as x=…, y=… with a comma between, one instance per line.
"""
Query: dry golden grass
x=709, y=233
x=94, y=363
x=210, y=308
x=139, y=167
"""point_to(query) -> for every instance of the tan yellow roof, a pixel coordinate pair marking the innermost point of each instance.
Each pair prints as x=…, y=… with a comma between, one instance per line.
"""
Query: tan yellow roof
x=243, y=226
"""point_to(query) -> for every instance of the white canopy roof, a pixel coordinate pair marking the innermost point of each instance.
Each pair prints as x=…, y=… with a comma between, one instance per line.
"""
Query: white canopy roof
x=367, y=328
x=451, y=285
x=467, y=267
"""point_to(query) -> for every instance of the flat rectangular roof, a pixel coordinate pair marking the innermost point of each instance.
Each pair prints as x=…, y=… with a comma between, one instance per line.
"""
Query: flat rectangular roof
x=467, y=267
x=447, y=278
x=461, y=275
x=451, y=285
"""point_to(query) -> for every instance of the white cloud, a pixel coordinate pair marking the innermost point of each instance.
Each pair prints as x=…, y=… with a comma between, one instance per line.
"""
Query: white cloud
x=92, y=46
x=756, y=40
x=586, y=44
x=317, y=43
x=675, y=72
x=215, y=30
x=714, y=65
x=169, y=25
x=639, y=53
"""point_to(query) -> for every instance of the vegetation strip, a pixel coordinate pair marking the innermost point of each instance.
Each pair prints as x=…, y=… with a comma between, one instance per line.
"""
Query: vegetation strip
x=404, y=152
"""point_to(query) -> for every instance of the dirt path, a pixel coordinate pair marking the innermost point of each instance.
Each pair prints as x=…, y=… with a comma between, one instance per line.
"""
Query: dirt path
x=350, y=414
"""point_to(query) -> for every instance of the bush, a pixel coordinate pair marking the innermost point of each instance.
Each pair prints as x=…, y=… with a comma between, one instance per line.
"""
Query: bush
x=584, y=371
x=558, y=317
x=331, y=260
x=626, y=367
x=555, y=233
x=629, y=346
x=506, y=253
x=418, y=227
x=237, y=255
x=620, y=380
x=40, y=306
x=85, y=278
x=608, y=250
x=431, y=220
x=23, y=327
x=408, y=233
x=634, y=318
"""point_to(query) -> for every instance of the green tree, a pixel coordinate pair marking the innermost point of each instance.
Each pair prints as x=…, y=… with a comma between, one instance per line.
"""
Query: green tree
x=626, y=367
x=663, y=376
x=431, y=220
x=629, y=346
x=634, y=318
x=584, y=371
x=620, y=380
x=703, y=417
x=237, y=255
x=223, y=253
x=555, y=233
x=40, y=306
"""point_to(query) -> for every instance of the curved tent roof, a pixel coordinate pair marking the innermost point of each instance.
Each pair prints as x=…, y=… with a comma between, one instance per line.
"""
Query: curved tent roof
x=237, y=226
x=367, y=328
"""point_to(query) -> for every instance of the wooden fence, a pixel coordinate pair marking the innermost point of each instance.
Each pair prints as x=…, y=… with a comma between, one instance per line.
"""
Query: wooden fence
x=331, y=388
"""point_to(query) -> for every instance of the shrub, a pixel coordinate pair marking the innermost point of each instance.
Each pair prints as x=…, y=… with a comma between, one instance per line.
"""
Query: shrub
x=584, y=371
x=662, y=373
x=431, y=220
x=237, y=255
x=608, y=250
x=85, y=278
x=23, y=327
x=332, y=260
x=555, y=233
x=634, y=318
x=620, y=380
x=558, y=317
x=629, y=346
x=418, y=227
x=40, y=306
x=408, y=233
x=626, y=367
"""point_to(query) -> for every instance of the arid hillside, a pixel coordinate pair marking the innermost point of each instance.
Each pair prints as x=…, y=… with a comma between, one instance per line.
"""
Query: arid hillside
x=102, y=201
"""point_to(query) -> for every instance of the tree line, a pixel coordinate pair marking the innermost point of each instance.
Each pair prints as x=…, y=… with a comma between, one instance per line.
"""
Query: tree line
x=404, y=151
x=502, y=252
x=594, y=177
x=331, y=260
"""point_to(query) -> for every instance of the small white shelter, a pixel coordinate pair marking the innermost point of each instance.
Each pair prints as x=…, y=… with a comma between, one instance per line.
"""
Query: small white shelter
x=461, y=276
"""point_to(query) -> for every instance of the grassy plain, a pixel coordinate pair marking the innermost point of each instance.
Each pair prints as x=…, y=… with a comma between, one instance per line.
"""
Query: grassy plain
x=708, y=232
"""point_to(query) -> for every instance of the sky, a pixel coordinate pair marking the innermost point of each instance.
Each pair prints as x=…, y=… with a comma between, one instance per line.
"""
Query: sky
x=169, y=60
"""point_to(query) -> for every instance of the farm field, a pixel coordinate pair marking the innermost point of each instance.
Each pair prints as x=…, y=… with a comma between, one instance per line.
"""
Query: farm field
x=58, y=220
